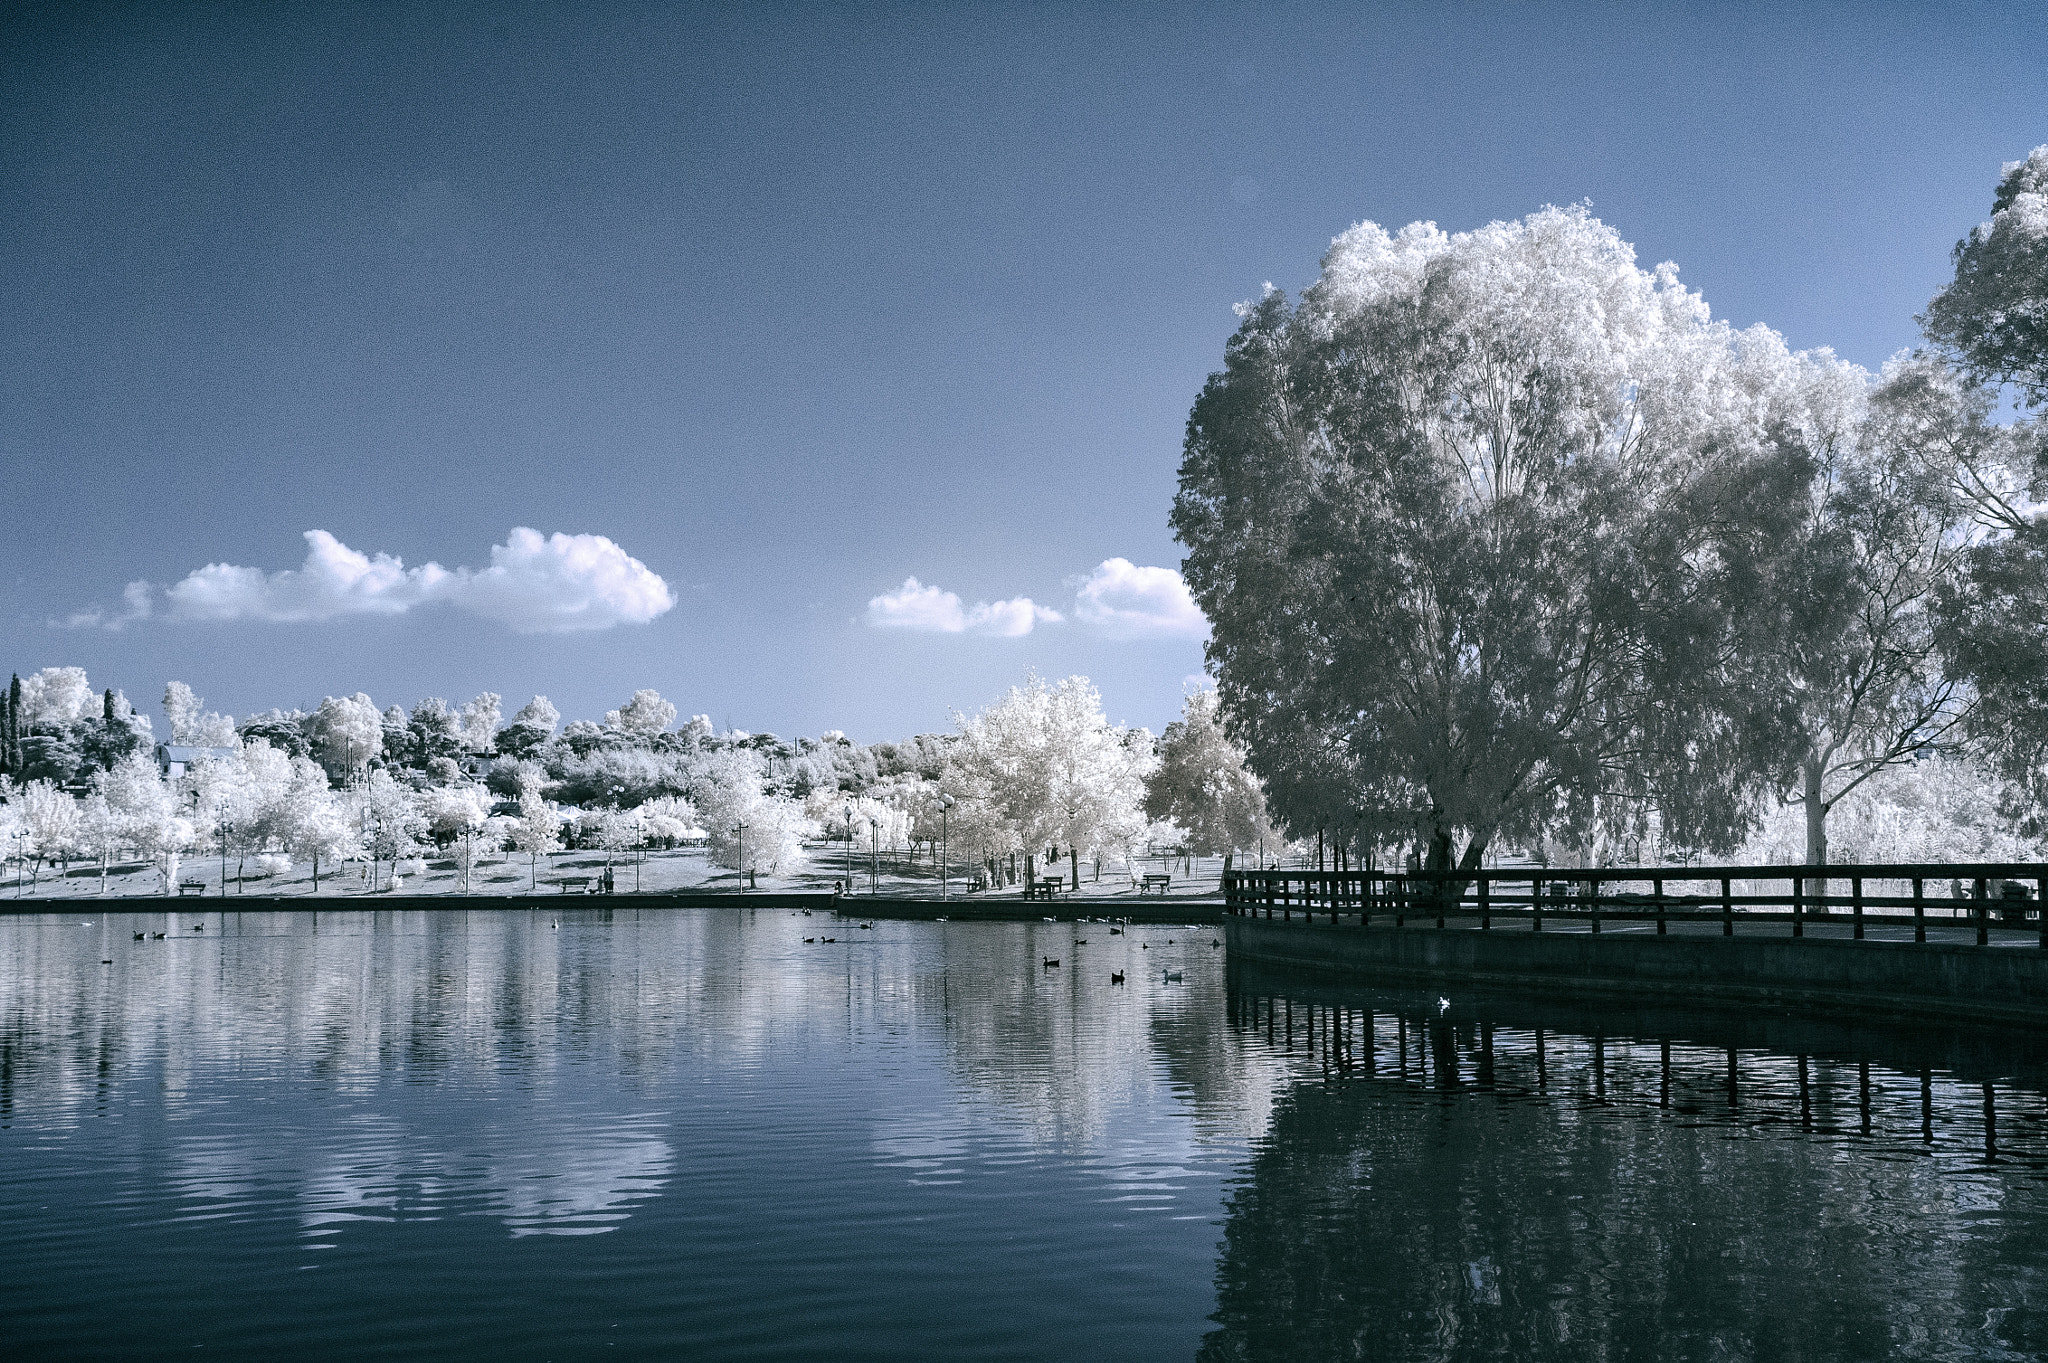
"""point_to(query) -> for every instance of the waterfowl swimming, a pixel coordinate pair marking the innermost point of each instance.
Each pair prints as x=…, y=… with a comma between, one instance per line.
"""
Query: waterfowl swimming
x=1114, y=931
x=1443, y=1005
x=159, y=936
x=1080, y=941
x=138, y=936
x=105, y=961
x=1050, y=961
x=1214, y=943
x=1173, y=977
x=199, y=927
x=809, y=940
x=1116, y=977
x=867, y=925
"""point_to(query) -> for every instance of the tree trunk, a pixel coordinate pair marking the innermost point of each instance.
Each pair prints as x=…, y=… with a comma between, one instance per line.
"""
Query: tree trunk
x=1074, y=861
x=1816, y=826
x=1442, y=847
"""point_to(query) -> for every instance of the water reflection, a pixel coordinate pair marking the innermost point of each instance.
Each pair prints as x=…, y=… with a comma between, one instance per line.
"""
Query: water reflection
x=1492, y=1178
x=480, y=1134
x=884, y=1127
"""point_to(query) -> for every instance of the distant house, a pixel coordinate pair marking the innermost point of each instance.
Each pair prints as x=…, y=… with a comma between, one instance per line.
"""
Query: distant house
x=173, y=758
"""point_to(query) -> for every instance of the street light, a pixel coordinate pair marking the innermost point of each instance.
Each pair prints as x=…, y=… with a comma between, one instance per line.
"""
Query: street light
x=849, y=848
x=874, y=855
x=946, y=803
x=740, y=858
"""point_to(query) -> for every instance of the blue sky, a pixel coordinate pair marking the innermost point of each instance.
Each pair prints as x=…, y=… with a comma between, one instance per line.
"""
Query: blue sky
x=793, y=303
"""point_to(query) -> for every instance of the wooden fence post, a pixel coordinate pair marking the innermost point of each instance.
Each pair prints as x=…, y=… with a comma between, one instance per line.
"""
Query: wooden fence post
x=1727, y=907
x=1798, y=906
x=1485, y=904
x=1919, y=910
x=1657, y=888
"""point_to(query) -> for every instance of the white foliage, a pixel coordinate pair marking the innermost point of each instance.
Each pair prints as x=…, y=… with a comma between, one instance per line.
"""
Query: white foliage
x=749, y=828
x=645, y=715
x=1043, y=766
x=56, y=696
x=346, y=732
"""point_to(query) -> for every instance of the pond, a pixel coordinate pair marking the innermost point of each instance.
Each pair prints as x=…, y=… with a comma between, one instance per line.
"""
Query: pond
x=611, y=1133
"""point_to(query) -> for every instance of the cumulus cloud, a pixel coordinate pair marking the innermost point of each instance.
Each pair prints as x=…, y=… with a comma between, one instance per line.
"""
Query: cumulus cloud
x=931, y=610
x=138, y=602
x=535, y=584
x=1124, y=601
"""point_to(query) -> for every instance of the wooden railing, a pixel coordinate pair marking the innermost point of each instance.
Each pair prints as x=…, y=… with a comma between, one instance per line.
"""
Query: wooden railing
x=2005, y=895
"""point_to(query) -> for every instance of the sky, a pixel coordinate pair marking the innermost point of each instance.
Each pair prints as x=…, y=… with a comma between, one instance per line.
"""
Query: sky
x=820, y=366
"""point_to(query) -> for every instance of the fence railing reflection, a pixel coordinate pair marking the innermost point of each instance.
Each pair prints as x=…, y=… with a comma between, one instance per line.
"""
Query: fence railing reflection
x=1821, y=1093
x=1979, y=896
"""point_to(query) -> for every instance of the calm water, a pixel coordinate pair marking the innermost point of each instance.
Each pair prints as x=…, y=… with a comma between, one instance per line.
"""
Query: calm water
x=691, y=1134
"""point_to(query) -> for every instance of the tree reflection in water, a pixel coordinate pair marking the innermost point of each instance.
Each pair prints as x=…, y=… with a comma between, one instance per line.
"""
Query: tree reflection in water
x=1531, y=1181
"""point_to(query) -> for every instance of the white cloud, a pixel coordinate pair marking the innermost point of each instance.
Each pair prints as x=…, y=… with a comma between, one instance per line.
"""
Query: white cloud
x=536, y=584
x=931, y=610
x=1125, y=601
x=138, y=602
x=562, y=583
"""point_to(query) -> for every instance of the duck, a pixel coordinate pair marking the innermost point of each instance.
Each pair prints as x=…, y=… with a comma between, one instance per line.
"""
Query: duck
x=1443, y=1005
x=555, y=924
x=1215, y=943
x=1172, y=977
x=867, y=926
x=1050, y=961
x=1080, y=941
x=139, y=936
x=828, y=939
x=199, y=927
x=106, y=960
x=159, y=936
x=1116, y=932
x=1116, y=977
x=809, y=940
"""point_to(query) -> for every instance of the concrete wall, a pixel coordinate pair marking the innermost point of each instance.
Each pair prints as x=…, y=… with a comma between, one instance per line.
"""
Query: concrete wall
x=2006, y=983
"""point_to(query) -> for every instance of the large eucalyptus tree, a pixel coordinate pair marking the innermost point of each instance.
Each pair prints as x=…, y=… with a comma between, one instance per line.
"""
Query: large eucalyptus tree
x=1461, y=520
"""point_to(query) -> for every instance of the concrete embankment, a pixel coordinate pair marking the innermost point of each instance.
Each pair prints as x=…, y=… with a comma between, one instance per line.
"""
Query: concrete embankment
x=1937, y=980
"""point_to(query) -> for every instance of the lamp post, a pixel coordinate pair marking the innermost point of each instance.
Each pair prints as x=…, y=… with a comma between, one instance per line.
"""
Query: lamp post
x=220, y=817
x=874, y=855
x=946, y=803
x=849, y=848
x=739, y=831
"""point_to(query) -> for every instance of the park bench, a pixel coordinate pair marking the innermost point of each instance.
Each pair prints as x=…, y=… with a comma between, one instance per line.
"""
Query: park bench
x=1155, y=880
x=186, y=887
x=582, y=884
x=1045, y=888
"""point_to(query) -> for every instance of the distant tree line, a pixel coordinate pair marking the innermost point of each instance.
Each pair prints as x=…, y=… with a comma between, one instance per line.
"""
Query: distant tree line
x=1035, y=776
